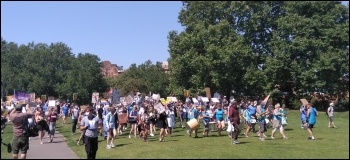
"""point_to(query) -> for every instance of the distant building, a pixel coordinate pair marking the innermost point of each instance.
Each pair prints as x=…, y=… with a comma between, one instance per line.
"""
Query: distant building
x=165, y=66
x=111, y=70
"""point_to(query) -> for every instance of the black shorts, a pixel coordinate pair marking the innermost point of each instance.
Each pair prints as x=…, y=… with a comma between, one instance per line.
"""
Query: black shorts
x=132, y=122
x=310, y=126
x=162, y=124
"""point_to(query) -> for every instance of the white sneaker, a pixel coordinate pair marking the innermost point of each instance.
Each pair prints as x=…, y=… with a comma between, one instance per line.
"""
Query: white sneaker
x=129, y=136
x=108, y=147
x=152, y=134
x=112, y=145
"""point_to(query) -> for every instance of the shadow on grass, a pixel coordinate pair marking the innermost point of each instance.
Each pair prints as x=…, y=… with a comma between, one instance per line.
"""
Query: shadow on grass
x=120, y=145
x=177, y=135
x=288, y=129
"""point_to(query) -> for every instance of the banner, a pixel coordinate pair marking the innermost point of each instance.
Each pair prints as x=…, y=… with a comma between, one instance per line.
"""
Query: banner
x=22, y=96
x=95, y=97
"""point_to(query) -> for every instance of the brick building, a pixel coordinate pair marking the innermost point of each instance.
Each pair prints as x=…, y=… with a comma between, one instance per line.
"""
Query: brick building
x=111, y=70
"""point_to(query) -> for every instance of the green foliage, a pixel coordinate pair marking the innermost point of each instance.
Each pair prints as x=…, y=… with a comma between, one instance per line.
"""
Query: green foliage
x=256, y=48
x=51, y=70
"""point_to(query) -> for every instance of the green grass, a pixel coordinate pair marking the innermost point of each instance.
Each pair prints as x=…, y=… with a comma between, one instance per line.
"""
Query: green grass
x=329, y=143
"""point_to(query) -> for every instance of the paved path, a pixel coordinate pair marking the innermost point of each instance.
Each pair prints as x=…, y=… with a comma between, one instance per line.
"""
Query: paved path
x=58, y=149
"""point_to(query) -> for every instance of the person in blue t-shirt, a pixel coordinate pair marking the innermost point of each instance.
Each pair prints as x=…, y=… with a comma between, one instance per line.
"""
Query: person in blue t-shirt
x=129, y=109
x=311, y=119
x=219, y=116
x=64, y=113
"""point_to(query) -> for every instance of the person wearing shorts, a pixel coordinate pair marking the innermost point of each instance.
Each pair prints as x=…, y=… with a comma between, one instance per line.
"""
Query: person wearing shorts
x=20, y=141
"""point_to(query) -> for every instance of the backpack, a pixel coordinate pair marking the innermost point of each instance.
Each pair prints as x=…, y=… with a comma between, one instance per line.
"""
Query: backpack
x=29, y=130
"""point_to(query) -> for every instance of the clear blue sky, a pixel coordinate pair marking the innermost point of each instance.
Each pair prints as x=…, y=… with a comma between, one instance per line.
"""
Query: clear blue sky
x=122, y=32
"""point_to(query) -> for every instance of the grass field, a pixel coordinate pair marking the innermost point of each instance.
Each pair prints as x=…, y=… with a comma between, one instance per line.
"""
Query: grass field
x=329, y=143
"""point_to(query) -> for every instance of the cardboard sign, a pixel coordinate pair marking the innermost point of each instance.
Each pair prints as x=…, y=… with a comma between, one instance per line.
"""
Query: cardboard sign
x=207, y=92
x=95, y=97
x=186, y=93
x=304, y=102
x=83, y=107
x=43, y=98
x=75, y=96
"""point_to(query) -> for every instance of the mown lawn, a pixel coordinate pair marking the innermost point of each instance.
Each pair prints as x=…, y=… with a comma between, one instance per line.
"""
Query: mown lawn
x=329, y=143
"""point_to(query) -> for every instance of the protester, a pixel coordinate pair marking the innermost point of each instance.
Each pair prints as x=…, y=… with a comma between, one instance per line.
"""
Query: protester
x=311, y=120
x=89, y=125
x=330, y=113
x=235, y=120
x=52, y=118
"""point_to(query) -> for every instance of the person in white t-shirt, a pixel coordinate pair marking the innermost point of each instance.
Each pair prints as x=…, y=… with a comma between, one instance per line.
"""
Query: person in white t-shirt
x=330, y=113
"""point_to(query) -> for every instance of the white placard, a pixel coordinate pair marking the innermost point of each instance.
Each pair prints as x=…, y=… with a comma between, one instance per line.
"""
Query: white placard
x=156, y=96
x=215, y=100
x=205, y=99
x=194, y=100
x=52, y=103
x=173, y=99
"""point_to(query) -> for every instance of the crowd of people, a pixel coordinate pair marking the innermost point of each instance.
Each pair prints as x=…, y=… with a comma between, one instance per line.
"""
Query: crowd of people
x=144, y=116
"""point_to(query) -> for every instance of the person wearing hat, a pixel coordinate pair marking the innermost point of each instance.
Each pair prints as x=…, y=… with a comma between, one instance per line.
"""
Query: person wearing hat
x=277, y=122
x=330, y=113
x=20, y=142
